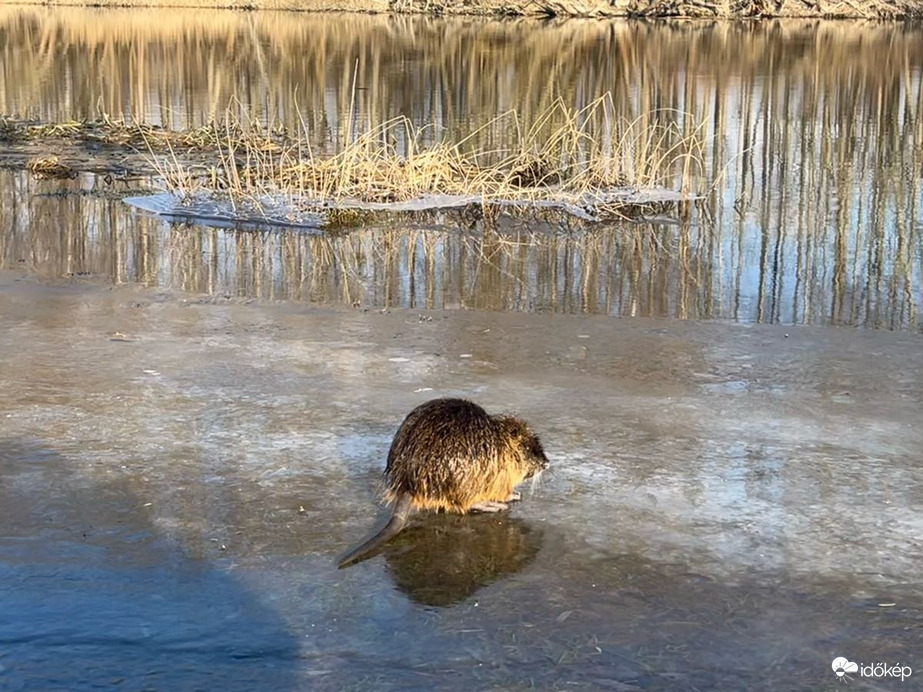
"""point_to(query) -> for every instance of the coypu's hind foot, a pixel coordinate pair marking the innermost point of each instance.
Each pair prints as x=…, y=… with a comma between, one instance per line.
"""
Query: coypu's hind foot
x=489, y=507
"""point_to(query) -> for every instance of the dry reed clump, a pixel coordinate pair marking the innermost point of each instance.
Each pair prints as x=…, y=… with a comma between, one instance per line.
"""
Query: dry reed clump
x=117, y=133
x=581, y=160
x=717, y=9
x=50, y=168
x=726, y=9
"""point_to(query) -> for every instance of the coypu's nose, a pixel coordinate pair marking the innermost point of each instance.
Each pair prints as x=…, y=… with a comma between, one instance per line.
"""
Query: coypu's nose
x=538, y=467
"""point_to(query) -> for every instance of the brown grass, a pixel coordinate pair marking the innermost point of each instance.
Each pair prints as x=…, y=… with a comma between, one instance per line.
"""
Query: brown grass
x=559, y=160
x=582, y=162
x=50, y=168
x=723, y=9
x=312, y=62
x=105, y=130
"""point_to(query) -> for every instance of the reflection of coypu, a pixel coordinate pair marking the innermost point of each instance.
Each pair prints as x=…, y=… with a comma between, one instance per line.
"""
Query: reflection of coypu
x=447, y=558
x=450, y=455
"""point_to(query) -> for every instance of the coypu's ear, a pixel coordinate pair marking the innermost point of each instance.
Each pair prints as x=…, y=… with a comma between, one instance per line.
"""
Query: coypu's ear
x=512, y=426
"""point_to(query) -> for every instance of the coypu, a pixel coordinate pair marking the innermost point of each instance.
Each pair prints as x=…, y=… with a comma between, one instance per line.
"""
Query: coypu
x=451, y=455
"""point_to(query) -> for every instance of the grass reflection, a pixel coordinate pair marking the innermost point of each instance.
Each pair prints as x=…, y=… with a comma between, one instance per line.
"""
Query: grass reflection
x=814, y=143
x=868, y=275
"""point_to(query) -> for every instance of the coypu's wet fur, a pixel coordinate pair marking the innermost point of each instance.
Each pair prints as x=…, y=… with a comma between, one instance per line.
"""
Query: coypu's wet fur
x=451, y=455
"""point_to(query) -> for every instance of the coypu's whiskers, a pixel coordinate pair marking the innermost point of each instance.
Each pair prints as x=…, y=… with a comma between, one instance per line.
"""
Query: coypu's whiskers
x=535, y=481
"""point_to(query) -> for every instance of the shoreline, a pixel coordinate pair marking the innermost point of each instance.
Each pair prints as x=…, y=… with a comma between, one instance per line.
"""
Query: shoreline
x=635, y=9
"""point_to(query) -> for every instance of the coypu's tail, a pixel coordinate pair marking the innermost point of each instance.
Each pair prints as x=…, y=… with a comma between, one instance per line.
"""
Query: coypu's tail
x=402, y=511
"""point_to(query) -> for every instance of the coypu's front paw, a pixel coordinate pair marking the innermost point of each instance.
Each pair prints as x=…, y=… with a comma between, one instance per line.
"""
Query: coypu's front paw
x=489, y=507
x=515, y=496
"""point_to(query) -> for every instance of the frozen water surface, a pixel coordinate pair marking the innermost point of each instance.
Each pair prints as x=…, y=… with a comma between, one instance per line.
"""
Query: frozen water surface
x=728, y=506
x=193, y=419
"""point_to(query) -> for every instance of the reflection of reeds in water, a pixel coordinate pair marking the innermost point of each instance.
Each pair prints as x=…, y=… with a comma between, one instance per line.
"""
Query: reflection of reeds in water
x=816, y=143
x=822, y=177
x=869, y=277
x=185, y=67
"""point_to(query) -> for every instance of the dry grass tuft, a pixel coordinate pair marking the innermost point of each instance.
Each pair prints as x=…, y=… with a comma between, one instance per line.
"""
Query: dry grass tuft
x=50, y=168
x=118, y=133
x=587, y=162
x=725, y=9
x=561, y=160
x=344, y=219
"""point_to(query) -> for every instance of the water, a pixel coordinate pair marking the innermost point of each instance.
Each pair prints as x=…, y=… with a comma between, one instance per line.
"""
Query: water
x=631, y=270
x=727, y=506
x=810, y=156
x=194, y=419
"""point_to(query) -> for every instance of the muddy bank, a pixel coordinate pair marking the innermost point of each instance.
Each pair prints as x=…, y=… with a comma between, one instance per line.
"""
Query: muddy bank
x=698, y=9
x=728, y=506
